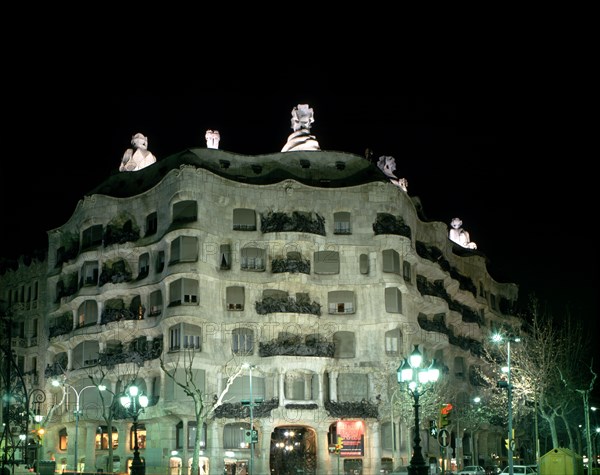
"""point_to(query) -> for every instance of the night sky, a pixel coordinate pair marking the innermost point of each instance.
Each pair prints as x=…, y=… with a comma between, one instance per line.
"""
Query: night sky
x=510, y=163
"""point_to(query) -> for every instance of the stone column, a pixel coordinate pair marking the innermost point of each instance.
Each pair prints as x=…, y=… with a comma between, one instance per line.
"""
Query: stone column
x=89, y=451
x=326, y=462
x=372, y=459
x=333, y=386
x=321, y=396
x=70, y=359
x=281, y=389
x=149, y=385
x=262, y=449
x=215, y=444
x=308, y=387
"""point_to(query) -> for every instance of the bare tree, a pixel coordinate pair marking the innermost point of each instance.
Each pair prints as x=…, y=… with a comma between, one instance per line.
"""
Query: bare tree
x=547, y=350
x=204, y=403
x=123, y=375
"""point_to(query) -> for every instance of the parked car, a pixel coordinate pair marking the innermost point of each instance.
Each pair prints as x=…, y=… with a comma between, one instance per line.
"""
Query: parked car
x=471, y=470
x=520, y=470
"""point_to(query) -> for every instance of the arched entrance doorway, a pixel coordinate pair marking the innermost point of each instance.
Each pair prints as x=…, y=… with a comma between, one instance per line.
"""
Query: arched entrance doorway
x=293, y=450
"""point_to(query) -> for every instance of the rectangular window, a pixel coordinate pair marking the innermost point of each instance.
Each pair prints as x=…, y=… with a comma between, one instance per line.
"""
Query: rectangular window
x=141, y=437
x=151, y=224
x=341, y=223
x=364, y=264
x=91, y=237
x=391, y=261
x=391, y=344
x=144, y=265
x=175, y=338
x=253, y=258
x=393, y=300
x=224, y=257
x=244, y=219
x=341, y=301
x=184, y=249
x=327, y=262
x=183, y=291
x=242, y=341
x=156, y=303
x=185, y=211
x=235, y=298
x=89, y=273
x=160, y=261
x=406, y=271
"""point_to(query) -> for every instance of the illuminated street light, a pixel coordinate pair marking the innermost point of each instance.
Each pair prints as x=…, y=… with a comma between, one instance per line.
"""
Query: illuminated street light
x=134, y=403
x=77, y=413
x=508, y=385
x=417, y=382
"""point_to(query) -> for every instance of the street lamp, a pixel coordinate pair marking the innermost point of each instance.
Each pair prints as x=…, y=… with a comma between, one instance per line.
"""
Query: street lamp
x=134, y=403
x=417, y=381
x=511, y=443
x=36, y=398
x=250, y=403
x=475, y=448
x=77, y=413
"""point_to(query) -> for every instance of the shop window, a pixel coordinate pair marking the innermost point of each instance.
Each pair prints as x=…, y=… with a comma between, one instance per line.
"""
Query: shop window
x=141, y=437
x=102, y=439
x=62, y=439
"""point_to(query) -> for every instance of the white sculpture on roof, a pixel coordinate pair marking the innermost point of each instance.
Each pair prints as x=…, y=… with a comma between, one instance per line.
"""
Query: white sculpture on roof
x=301, y=139
x=212, y=138
x=137, y=157
x=387, y=165
x=459, y=235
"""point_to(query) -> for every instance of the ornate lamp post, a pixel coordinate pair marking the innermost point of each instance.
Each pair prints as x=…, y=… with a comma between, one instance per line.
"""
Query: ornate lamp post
x=36, y=398
x=77, y=414
x=508, y=385
x=417, y=382
x=134, y=403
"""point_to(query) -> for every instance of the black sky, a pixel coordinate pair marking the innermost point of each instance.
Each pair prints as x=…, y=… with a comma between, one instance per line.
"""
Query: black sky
x=511, y=164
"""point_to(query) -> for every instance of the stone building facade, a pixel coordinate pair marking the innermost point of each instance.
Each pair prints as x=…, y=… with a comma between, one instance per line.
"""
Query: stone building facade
x=308, y=273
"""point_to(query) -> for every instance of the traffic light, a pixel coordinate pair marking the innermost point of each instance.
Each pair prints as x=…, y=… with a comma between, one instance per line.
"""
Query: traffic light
x=340, y=444
x=445, y=412
x=432, y=428
x=507, y=441
x=250, y=436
